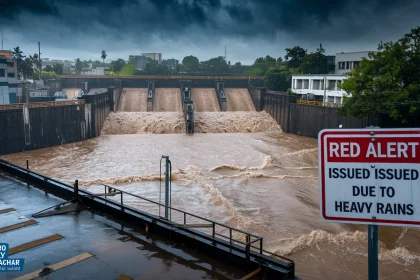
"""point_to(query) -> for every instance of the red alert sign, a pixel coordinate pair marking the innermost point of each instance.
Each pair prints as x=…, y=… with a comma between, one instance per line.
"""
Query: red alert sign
x=370, y=176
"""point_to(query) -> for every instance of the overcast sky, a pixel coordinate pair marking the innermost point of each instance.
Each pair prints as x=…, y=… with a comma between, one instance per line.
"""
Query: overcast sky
x=69, y=29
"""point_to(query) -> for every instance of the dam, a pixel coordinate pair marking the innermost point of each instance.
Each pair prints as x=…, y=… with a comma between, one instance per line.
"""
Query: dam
x=238, y=168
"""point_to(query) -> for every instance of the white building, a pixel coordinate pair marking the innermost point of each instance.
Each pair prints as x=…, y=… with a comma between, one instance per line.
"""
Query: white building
x=9, y=84
x=346, y=62
x=98, y=71
x=316, y=87
x=311, y=86
x=153, y=56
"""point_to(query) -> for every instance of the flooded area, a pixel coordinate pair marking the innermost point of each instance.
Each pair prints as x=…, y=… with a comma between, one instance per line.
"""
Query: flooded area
x=238, y=169
x=265, y=183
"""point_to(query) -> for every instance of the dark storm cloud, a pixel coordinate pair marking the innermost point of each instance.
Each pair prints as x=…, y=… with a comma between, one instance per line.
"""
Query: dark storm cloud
x=228, y=16
x=207, y=23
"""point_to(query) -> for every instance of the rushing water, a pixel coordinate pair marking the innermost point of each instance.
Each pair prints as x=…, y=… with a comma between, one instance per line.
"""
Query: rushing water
x=265, y=183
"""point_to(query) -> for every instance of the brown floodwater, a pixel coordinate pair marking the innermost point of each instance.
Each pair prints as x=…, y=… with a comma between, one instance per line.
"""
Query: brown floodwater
x=264, y=182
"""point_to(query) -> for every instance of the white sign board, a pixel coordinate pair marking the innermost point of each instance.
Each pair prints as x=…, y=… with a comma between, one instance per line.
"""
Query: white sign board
x=38, y=93
x=370, y=176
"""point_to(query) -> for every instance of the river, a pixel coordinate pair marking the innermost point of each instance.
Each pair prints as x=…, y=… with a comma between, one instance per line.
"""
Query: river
x=240, y=170
x=265, y=183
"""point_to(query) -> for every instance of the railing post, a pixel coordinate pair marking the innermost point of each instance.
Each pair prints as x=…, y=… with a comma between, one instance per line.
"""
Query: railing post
x=247, y=249
x=261, y=245
x=214, y=229
x=76, y=190
x=185, y=218
x=122, y=207
x=230, y=236
x=27, y=168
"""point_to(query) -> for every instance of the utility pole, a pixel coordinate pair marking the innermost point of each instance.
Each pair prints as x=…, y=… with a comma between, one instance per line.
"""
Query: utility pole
x=1, y=30
x=39, y=61
x=225, y=53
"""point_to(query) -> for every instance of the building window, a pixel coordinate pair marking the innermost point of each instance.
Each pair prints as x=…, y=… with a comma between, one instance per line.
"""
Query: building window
x=341, y=65
x=10, y=64
x=11, y=75
x=2, y=73
x=348, y=65
x=316, y=85
x=331, y=84
x=356, y=64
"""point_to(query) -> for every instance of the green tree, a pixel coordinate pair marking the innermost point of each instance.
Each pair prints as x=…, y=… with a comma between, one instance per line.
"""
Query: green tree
x=151, y=67
x=388, y=83
x=47, y=75
x=262, y=64
x=162, y=70
x=215, y=65
x=103, y=55
x=18, y=55
x=278, y=78
x=36, y=61
x=58, y=68
x=294, y=56
x=49, y=68
x=315, y=63
x=27, y=68
x=117, y=65
x=79, y=66
x=190, y=64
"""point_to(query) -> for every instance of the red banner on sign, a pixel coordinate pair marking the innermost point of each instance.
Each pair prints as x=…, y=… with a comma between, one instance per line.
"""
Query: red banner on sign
x=381, y=149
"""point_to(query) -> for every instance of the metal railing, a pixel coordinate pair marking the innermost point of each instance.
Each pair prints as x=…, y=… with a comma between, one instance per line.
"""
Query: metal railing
x=149, y=77
x=41, y=104
x=249, y=237
x=319, y=103
x=230, y=240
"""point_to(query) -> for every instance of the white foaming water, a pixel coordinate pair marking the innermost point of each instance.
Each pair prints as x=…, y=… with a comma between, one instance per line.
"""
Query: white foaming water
x=173, y=122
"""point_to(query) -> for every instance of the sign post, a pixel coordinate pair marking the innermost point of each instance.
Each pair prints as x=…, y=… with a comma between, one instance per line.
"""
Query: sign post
x=373, y=252
x=370, y=176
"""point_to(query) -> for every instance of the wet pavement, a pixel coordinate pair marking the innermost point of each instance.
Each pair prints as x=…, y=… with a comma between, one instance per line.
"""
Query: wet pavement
x=119, y=252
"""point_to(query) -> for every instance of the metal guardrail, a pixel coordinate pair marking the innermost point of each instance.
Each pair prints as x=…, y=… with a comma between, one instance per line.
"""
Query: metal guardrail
x=212, y=224
x=148, y=77
x=230, y=240
x=41, y=104
x=276, y=92
x=319, y=103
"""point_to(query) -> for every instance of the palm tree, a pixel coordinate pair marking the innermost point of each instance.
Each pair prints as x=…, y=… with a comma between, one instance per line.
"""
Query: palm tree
x=103, y=55
x=27, y=68
x=17, y=53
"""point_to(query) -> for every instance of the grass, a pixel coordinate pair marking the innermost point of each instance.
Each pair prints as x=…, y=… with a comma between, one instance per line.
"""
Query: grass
x=128, y=69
